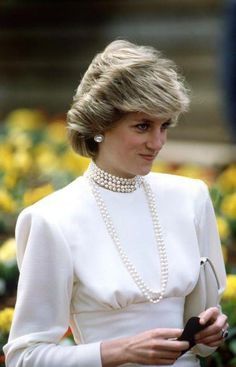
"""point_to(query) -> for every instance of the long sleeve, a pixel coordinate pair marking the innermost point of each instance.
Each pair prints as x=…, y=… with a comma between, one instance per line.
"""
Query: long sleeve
x=210, y=246
x=42, y=310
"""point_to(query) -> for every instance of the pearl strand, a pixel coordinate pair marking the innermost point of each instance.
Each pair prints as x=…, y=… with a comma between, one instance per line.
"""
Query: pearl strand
x=150, y=294
x=111, y=182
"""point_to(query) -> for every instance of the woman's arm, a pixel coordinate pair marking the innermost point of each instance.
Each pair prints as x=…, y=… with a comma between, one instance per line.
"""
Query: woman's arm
x=210, y=246
x=42, y=310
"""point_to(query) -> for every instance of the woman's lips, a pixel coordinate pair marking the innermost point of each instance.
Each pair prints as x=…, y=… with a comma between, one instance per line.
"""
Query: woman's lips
x=148, y=157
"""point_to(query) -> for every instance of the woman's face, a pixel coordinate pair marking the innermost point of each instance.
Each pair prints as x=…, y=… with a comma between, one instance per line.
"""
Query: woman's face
x=131, y=146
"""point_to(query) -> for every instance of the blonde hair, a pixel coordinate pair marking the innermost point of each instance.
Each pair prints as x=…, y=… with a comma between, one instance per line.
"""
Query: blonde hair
x=123, y=78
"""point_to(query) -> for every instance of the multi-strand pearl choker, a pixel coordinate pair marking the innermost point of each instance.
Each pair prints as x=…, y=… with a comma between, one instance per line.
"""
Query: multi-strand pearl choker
x=150, y=294
x=111, y=182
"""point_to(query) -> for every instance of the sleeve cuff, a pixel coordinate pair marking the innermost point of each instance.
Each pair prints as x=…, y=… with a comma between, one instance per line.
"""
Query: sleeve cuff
x=203, y=350
x=89, y=355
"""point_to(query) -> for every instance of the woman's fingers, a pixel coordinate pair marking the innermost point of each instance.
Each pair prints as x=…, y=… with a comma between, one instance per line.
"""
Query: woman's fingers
x=172, y=345
x=166, y=333
x=167, y=339
x=167, y=354
x=210, y=314
x=216, y=326
x=156, y=347
x=212, y=335
x=163, y=352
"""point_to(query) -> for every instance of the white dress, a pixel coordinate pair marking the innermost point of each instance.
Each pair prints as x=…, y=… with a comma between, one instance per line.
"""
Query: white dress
x=72, y=274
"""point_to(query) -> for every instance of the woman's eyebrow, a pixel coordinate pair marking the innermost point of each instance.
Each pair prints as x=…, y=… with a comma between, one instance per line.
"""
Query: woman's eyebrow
x=147, y=119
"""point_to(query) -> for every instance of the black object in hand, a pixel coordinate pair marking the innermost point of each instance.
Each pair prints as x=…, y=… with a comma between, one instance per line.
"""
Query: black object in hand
x=191, y=328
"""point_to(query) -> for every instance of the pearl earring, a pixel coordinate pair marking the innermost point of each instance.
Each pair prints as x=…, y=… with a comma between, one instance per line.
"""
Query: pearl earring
x=98, y=138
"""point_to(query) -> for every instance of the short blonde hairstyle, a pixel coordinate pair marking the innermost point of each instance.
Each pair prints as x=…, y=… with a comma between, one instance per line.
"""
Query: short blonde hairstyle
x=123, y=78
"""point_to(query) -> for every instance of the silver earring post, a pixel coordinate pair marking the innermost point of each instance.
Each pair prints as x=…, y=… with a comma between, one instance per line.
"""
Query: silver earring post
x=98, y=138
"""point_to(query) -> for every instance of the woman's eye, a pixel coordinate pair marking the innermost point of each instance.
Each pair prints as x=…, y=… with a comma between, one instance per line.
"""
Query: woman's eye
x=143, y=126
x=166, y=125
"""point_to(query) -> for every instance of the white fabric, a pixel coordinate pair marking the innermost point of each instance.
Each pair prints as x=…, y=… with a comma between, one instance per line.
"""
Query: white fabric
x=71, y=272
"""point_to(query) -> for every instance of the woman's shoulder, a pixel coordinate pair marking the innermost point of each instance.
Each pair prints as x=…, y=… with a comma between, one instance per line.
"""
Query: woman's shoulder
x=58, y=202
x=175, y=183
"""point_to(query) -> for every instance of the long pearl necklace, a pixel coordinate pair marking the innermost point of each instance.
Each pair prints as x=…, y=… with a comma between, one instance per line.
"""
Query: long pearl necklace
x=150, y=294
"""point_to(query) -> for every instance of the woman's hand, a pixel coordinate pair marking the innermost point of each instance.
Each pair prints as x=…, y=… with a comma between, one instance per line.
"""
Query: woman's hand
x=153, y=347
x=213, y=334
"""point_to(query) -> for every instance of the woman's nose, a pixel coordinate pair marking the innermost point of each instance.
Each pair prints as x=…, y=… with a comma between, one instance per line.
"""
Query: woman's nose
x=156, y=140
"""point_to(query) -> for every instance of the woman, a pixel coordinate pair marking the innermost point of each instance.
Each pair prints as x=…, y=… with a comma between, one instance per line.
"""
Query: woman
x=115, y=253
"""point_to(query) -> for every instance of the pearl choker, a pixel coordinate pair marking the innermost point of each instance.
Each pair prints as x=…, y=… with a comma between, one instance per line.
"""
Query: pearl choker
x=150, y=294
x=111, y=182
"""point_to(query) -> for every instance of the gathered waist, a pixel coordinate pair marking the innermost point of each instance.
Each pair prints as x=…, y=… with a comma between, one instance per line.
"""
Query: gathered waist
x=135, y=318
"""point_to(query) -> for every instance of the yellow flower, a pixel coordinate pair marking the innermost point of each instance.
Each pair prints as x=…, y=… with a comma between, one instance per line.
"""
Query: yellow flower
x=57, y=131
x=227, y=180
x=7, y=204
x=74, y=162
x=10, y=179
x=42, y=147
x=223, y=228
x=22, y=161
x=47, y=162
x=161, y=167
x=25, y=119
x=228, y=206
x=8, y=250
x=19, y=140
x=6, y=161
x=6, y=316
x=33, y=195
x=194, y=171
x=230, y=292
x=45, y=158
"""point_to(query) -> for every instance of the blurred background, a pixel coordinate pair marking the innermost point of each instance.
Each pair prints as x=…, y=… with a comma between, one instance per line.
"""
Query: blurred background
x=46, y=46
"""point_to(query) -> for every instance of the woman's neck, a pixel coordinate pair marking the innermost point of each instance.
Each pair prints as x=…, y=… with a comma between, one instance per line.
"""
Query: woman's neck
x=112, y=170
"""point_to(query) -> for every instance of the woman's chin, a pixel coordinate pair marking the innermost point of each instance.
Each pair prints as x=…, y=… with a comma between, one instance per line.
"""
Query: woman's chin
x=144, y=171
